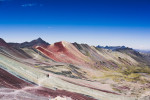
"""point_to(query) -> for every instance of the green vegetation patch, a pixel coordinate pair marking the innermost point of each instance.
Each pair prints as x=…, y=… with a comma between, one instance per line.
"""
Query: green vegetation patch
x=130, y=74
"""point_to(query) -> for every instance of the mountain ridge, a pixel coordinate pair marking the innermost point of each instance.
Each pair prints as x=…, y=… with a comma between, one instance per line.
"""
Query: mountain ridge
x=3, y=43
x=89, y=53
x=77, y=68
x=33, y=43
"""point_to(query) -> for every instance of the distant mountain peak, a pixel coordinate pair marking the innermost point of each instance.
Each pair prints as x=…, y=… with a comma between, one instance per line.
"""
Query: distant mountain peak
x=114, y=48
x=39, y=39
x=33, y=43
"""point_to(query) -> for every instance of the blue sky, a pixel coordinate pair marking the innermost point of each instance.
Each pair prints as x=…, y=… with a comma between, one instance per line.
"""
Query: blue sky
x=96, y=22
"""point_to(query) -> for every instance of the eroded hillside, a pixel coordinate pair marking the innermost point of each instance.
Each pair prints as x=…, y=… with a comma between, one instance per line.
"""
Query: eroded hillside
x=73, y=71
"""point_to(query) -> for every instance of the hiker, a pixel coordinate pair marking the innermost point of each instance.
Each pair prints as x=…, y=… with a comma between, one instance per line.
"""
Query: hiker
x=48, y=75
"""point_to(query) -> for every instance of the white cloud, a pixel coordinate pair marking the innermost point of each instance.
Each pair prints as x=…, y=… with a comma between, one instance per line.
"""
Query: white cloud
x=29, y=5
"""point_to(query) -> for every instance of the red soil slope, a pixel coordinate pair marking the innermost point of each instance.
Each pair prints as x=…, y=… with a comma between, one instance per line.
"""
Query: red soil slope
x=9, y=81
x=64, y=52
x=13, y=87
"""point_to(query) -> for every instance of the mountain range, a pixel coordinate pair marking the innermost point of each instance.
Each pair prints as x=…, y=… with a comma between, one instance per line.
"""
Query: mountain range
x=38, y=70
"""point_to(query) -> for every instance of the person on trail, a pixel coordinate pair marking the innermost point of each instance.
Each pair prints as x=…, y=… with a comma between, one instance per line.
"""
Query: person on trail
x=48, y=75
